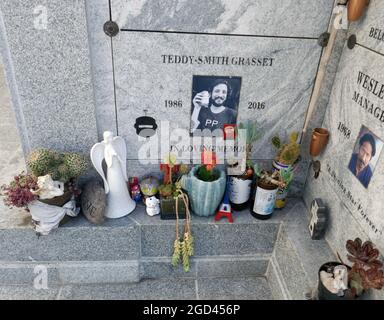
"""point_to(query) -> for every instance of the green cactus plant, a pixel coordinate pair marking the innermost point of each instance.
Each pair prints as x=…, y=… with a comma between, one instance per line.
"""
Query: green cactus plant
x=41, y=161
x=61, y=166
x=75, y=163
x=289, y=152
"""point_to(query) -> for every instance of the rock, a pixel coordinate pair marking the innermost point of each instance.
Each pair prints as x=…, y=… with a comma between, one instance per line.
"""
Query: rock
x=94, y=201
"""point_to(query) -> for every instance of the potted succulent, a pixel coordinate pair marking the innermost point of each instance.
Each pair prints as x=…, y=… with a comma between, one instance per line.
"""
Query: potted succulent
x=47, y=191
x=338, y=281
x=205, y=185
x=241, y=185
x=287, y=155
x=268, y=183
x=60, y=167
x=169, y=189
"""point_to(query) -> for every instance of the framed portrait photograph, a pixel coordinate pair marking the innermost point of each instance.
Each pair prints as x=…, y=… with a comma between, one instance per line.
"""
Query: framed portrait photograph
x=365, y=155
x=215, y=102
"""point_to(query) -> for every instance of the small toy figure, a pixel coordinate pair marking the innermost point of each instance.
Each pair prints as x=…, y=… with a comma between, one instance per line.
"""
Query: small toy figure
x=135, y=193
x=134, y=189
x=153, y=206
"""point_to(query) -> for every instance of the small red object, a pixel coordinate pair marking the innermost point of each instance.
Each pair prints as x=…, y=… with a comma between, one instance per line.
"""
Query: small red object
x=223, y=214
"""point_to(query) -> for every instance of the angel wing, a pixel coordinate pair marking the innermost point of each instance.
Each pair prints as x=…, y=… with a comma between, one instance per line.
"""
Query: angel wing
x=97, y=156
x=121, y=150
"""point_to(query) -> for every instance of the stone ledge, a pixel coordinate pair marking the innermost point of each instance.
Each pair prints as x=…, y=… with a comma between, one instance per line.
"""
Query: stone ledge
x=63, y=273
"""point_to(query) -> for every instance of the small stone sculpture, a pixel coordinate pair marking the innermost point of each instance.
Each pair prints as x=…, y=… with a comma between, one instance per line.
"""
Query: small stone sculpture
x=47, y=188
x=337, y=281
x=114, y=152
x=340, y=274
x=153, y=206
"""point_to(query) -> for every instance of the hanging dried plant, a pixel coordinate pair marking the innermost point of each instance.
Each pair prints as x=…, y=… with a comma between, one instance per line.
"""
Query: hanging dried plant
x=182, y=249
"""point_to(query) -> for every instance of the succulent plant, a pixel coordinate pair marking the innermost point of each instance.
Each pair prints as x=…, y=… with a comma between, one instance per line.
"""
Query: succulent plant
x=41, y=161
x=76, y=164
x=61, y=166
x=366, y=272
x=166, y=190
x=207, y=171
x=289, y=152
x=18, y=192
x=363, y=254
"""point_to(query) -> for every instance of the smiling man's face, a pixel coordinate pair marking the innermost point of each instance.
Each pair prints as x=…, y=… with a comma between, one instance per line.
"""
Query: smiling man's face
x=219, y=94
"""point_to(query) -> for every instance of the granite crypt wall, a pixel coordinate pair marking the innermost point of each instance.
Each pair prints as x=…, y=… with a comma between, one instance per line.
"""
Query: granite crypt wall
x=70, y=81
x=356, y=107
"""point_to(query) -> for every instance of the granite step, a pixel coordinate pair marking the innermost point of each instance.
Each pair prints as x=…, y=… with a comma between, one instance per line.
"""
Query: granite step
x=138, y=248
x=138, y=236
x=238, y=288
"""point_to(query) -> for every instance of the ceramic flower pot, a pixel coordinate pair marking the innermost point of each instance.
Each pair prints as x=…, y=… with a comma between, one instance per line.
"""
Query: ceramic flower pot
x=319, y=140
x=204, y=196
x=356, y=9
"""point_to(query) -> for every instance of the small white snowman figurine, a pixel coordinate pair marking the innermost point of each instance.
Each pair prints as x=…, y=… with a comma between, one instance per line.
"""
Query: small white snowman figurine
x=153, y=206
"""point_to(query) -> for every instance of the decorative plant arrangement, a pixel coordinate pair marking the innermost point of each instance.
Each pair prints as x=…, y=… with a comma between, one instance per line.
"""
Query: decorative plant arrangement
x=287, y=155
x=47, y=191
x=208, y=171
x=169, y=190
x=205, y=185
x=338, y=281
x=266, y=189
x=240, y=184
x=18, y=193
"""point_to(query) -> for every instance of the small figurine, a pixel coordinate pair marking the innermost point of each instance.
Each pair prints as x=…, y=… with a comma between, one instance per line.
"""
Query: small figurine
x=134, y=189
x=153, y=206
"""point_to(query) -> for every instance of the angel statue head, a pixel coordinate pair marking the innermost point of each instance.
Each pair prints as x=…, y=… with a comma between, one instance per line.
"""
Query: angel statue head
x=108, y=136
x=114, y=152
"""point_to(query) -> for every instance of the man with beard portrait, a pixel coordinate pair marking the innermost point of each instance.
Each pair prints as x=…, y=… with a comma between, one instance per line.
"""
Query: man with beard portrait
x=210, y=110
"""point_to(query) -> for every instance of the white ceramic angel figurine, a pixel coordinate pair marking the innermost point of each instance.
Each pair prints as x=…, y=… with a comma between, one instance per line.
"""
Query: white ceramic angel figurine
x=114, y=151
